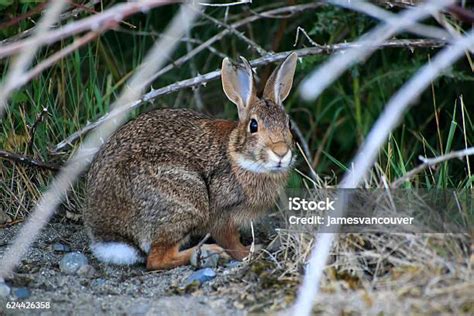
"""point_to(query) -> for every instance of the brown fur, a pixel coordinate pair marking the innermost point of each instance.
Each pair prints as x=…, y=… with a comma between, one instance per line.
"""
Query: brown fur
x=173, y=173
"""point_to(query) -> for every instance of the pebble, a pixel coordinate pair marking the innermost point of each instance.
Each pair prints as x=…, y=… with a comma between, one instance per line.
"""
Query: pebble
x=98, y=282
x=72, y=262
x=4, y=290
x=139, y=309
x=87, y=271
x=207, y=258
x=58, y=247
x=233, y=264
x=201, y=276
x=22, y=293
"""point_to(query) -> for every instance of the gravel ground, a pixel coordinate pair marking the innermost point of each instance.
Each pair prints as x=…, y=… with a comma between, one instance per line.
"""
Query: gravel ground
x=374, y=274
x=105, y=289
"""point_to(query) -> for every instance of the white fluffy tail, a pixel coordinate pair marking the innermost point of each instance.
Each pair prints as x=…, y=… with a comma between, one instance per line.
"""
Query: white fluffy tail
x=116, y=253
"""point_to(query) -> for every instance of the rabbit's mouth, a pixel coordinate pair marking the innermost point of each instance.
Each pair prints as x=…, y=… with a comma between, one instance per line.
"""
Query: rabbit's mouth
x=279, y=163
x=272, y=164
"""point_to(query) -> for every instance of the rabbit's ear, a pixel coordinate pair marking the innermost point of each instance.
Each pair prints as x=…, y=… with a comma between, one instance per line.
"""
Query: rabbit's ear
x=279, y=84
x=238, y=84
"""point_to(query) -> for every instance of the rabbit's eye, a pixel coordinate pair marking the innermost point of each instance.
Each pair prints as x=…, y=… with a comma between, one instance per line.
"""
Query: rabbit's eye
x=253, y=126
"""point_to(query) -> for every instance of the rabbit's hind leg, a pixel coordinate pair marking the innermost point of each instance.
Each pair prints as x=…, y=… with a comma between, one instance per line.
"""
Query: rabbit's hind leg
x=175, y=204
x=228, y=237
x=163, y=257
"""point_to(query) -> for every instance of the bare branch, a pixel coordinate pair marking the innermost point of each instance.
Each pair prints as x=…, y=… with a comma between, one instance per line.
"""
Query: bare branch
x=106, y=20
x=303, y=31
x=291, y=10
x=63, y=16
x=32, y=129
x=213, y=75
x=230, y=4
x=51, y=60
x=194, y=72
x=366, y=156
x=81, y=159
x=322, y=77
x=387, y=17
x=238, y=34
x=28, y=160
x=28, y=51
x=429, y=162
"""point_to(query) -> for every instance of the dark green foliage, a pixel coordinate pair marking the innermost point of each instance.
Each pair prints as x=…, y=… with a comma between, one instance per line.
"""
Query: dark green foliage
x=81, y=88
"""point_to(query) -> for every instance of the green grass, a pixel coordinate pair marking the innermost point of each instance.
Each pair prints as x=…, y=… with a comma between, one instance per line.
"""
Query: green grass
x=81, y=88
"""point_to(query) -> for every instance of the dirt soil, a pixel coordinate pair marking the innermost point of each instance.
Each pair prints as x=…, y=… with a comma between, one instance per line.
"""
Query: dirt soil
x=110, y=289
x=374, y=274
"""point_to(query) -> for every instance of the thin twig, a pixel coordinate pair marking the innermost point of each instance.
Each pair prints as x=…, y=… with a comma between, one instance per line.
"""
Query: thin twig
x=238, y=34
x=226, y=4
x=310, y=89
x=323, y=76
x=63, y=16
x=24, y=16
x=461, y=13
x=60, y=185
x=51, y=60
x=291, y=10
x=389, y=18
x=429, y=162
x=32, y=130
x=194, y=72
x=213, y=75
x=27, y=52
x=199, y=250
x=303, y=31
x=185, y=39
x=366, y=156
x=108, y=18
x=461, y=101
x=28, y=160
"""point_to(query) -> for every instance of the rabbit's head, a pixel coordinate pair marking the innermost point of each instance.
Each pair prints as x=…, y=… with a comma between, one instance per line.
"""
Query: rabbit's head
x=263, y=142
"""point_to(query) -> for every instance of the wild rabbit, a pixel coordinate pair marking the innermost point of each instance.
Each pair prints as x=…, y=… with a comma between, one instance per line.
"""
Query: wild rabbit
x=174, y=173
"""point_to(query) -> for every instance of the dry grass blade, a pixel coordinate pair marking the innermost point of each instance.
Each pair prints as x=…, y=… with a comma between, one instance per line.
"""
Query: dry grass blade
x=428, y=162
x=366, y=156
x=155, y=59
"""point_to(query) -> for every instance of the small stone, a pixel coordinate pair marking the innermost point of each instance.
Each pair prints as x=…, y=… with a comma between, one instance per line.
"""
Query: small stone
x=275, y=245
x=98, y=282
x=22, y=293
x=4, y=290
x=72, y=262
x=233, y=264
x=139, y=309
x=58, y=247
x=207, y=259
x=200, y=276
x=86, y=271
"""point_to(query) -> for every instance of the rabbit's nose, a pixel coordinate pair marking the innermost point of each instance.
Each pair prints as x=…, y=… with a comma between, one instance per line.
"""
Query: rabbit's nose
x=280, y=149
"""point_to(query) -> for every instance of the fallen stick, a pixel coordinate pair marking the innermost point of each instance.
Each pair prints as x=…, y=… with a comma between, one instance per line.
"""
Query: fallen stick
x=28, y=160
x=429, y=162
